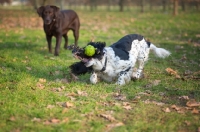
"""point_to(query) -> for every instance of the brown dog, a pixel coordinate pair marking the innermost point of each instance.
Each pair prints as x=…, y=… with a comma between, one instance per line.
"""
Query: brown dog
x=57, y=23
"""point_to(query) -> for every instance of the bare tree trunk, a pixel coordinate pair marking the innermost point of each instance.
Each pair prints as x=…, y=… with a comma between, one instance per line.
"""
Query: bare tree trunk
x=183, y=5
x=93, y=5
x=164, y=2
x=175, y=12
x=121, y=5
x=43, y=2
x=108, y=5
x=197, y=4
x=142, y=5
x=35, y=4
x=150, y=5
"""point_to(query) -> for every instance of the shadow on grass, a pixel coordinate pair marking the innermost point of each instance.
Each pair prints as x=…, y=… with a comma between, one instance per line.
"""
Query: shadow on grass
x=33, y=59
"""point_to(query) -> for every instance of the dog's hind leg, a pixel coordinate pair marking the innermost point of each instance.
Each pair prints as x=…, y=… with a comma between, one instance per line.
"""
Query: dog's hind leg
x=66, y=41
x=76, y=36
x=142, y=58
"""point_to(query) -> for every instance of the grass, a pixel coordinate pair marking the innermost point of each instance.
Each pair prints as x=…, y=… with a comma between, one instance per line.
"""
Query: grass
x=38, y=94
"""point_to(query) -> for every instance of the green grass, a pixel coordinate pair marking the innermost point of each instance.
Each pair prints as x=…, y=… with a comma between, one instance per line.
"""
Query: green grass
x=29, y=104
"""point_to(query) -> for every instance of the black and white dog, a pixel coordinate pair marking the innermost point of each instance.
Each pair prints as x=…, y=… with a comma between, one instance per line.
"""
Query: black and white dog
x=118, y=61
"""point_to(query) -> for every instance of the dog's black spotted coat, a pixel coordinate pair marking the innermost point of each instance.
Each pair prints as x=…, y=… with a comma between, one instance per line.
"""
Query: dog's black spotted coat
x=118, y=60
x=123, y=46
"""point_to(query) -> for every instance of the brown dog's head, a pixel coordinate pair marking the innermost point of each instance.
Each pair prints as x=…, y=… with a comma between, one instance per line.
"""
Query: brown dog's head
x=48, y=13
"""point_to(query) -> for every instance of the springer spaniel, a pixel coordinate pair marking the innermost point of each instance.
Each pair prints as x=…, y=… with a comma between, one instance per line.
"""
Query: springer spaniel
x=116, y=62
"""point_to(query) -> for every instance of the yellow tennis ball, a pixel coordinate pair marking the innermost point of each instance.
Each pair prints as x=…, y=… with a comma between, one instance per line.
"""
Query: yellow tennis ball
x=89, y=50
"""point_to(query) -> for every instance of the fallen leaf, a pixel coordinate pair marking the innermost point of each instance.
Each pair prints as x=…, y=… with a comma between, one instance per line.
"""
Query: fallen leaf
x=184, y=97
x=12, y=118
x=40, y=85
x=167, y=110
x=192, y=103
x=113, y=125
x=154, y=102
x=51, y=121
x=195, y=111
x=54, y=120
x=82, y=93
x=58, y=89
x=16, y=130
x=128, y=107
x=71, y=94
x=29, y=68
x=198, y=35
x=187, y=123
x=119, y=96
x=50, y=106
x=153, y=83
x=64, y=110
x=42, y=80
x=171, y=71
x=36, y=119
x=65, y=120
x=108, y=117
x=67, y=104
x=175, y=107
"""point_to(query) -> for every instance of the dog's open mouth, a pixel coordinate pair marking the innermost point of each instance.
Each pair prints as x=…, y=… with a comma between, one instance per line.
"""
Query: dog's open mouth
x=83, y=59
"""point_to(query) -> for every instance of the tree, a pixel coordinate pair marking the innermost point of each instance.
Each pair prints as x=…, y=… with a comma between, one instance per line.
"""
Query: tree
x=121, y=5
x=142, y=5
x=93, y=5
x=175, y=7
x=164, y=2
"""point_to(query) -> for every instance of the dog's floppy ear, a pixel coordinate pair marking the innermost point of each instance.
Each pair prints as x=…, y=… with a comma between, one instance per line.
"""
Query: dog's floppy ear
x=40, y=11
x=100, y=47
x=56, y=10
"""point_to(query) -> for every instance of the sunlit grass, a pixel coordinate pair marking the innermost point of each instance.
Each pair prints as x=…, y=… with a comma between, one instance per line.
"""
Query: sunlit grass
x=28, y=104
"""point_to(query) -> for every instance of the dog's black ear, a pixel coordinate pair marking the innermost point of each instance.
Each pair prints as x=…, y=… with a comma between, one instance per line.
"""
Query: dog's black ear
x=40, y=11
x=56, y=10
x=103, y=44
x=79, y=68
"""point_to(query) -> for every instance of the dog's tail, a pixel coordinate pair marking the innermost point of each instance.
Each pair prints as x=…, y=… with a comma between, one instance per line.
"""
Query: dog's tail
x=159, y=52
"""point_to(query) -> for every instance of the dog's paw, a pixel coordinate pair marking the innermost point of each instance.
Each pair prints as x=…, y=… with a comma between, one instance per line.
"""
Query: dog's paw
x=93, y=78
x=137, y=75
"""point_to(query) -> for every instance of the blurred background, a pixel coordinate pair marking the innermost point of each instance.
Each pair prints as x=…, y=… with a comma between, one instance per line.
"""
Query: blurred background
x=111, y=5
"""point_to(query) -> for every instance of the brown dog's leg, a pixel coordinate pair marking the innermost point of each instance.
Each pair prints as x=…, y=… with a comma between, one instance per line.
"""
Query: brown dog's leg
x=49, y=39
x=66, y=41
x=76, y=35
x=58, y=41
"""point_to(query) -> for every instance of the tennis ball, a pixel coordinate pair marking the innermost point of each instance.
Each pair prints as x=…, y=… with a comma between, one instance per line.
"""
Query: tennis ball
x=89, y=50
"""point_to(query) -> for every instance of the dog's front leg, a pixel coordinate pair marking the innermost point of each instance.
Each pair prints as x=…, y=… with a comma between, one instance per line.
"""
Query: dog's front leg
x=49, y=39
x=124, y=77
x=93, y=78
x=58, y=42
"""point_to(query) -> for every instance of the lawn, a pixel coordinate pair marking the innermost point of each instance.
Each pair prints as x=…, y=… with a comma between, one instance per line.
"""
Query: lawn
x=38, y=93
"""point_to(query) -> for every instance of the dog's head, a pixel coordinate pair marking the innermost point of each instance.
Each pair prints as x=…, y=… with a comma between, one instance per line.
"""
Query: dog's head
x=48, y=13
x=94, y=60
